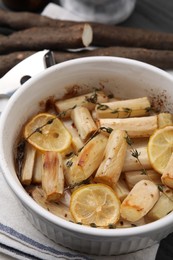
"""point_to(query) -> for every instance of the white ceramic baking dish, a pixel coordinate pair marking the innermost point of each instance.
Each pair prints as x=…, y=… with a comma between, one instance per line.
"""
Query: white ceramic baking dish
x=126, y=79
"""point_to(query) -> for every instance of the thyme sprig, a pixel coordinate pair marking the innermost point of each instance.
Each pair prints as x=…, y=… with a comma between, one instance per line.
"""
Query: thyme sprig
x=50, y=121
x=161, y=189
x=126, y=110
x=135, y=153
x=100, y=129
x=20, y=156
x=108, y=130
x=94, y=100
x=39, y=129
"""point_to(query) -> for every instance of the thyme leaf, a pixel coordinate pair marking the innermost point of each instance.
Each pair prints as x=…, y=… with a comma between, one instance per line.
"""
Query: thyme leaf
x=128, y=111
x=135, y=153
x=69, y=163
x=102, y=107
x=148, y=109
x=70, y=154
x=111, y=95
x=38, y=130
x=128, y=140
x=106, y=129
x=160, y=187
x=92, y=99
x=50, y=121
x=111, y=226
x=133, y=225
x=93, y=225
x=115, y=111
x=143, y=172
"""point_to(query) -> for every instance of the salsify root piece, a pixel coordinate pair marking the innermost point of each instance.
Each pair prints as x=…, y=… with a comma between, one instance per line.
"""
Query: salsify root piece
x=82, y=166
x=124, y=108
x=139, y=201
x=24, y=20
x=104, y=34
x=88, y=100
x=110, y=35
x=8, y=61
x=83, y=122
x=136, y=127
x=121, y=188
x=38, y=168
x=52, y=175
x=75, y=36
x=76, y=141
x=163, y=206
x=28, y=165
x=110, y=169
x=58, y=209
x=132, y=177
x=159, y=58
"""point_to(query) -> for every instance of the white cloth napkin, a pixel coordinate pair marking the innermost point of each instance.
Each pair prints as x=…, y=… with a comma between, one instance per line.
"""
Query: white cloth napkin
x=104, y=11
x=19, y=239
x=57, y=12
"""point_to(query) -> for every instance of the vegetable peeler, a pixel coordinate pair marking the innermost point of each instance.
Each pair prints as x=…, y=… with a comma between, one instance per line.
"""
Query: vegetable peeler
x=22, y=72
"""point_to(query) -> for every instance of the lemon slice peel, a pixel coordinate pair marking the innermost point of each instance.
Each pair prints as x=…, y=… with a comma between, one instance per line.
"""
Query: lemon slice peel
x=47, y=133
x=160, y=148
x=102, y=208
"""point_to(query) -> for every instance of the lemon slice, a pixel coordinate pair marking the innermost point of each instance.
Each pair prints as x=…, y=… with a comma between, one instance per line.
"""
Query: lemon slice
x=47, y=133
x=160, y=148
x=95, y=204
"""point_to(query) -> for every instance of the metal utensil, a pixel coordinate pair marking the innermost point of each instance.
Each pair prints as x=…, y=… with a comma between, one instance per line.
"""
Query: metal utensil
x=22, y=72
